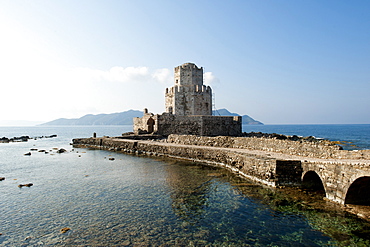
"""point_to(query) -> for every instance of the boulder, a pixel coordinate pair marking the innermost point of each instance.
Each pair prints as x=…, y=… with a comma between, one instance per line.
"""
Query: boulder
x=65, y=229
x=4, y=140
x=25, y=185
x=62, y=150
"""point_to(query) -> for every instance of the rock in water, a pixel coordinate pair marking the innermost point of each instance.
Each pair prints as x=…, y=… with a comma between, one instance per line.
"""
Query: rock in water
x=65, y=229
x=62, y=150
x=25, y=185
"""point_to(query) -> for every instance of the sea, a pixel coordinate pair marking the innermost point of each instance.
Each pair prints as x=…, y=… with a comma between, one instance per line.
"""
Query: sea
x=87, y=197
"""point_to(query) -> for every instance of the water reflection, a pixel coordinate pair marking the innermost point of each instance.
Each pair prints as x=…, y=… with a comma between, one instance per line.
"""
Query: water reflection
x=222, y=209
x=344, y=228
x=190, y=190
x=137, y=201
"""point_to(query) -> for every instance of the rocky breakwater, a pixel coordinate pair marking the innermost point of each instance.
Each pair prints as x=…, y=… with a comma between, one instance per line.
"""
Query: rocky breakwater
x=23, y=138
x=254, y=164
x=308, y=147
x=269, y=158
x=343, y=175
x=306, y=162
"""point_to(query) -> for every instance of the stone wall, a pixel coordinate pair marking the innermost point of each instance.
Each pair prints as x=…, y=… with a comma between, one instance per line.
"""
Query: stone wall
x=337, y=176
x=320, y=149
x=256, y=167
x=199, y=125
x=167, y=124
x=148, y=123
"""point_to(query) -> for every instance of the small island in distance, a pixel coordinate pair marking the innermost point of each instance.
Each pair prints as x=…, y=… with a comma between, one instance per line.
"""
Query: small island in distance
x=125, y=118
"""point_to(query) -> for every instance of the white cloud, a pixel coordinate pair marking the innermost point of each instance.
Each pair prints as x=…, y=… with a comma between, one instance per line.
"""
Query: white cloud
x=128, y=74
x=163, y=76
x=123, y=75
x=210, y=79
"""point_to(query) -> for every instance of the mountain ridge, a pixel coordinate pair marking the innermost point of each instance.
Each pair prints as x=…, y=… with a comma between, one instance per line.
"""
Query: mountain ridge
x=246, y=119
x=125, y=118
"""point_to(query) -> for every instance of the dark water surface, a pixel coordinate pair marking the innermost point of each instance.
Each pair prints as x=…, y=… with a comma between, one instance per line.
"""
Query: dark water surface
x=140, y=201
x=352, y=136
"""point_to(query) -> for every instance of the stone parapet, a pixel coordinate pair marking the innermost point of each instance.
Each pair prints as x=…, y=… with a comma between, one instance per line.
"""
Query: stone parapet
x=344, y=181
x=257, y=167
x=318, y=149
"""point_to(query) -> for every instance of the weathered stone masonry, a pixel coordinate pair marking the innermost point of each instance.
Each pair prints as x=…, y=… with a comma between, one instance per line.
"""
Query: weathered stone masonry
x=256, y=167
x=345, y=175
x=188, y=109
x=189, y=96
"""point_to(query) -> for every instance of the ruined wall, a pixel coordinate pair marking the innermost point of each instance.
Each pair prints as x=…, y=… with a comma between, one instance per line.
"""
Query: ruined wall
x=321, y=149
x=147, y=123
x=221, y=126
x=199, y=125
x=256, y=167
x=337, y=176
x=169, y=123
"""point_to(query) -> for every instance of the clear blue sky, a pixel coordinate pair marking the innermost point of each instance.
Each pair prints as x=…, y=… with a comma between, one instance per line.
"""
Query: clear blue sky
x=281, y=62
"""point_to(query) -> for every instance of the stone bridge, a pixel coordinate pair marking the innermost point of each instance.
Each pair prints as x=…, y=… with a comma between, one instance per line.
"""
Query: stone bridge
x=344, y=176
x=343, y=181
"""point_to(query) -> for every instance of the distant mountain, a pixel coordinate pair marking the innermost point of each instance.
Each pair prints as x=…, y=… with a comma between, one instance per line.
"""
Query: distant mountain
x=125, y=118
x=246, y=119
x=120, y=118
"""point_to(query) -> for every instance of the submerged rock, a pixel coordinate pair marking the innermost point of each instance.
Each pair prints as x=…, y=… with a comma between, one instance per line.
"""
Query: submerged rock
x=25, y=185
x=62, y=150
x=65, y=229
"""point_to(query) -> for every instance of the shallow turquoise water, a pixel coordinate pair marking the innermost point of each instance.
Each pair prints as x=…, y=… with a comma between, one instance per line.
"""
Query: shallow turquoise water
x=142, y=201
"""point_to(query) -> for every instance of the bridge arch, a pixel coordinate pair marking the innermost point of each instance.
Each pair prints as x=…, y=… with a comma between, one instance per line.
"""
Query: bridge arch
x=358, y=192
x=312, y=181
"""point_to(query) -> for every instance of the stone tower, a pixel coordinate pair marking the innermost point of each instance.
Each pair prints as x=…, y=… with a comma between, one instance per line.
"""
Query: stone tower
x=189, y=96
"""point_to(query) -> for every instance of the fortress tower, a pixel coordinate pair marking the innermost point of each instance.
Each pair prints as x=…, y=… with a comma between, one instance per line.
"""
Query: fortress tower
x=188, y=110
x=189, y=97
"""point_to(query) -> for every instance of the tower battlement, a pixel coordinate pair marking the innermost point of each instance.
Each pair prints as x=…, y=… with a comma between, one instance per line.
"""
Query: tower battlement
x=196, y=89
x=188, y=109
x=189, y=96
